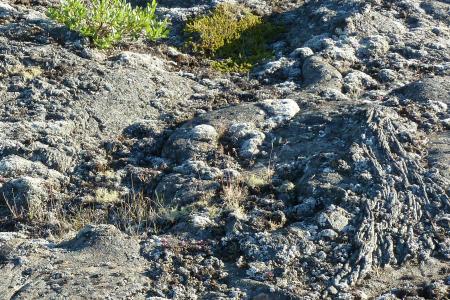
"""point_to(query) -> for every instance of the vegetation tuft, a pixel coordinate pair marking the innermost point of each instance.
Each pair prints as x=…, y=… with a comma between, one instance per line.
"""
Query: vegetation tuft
x=233, y=36
x=107, y=22
x=133, y=213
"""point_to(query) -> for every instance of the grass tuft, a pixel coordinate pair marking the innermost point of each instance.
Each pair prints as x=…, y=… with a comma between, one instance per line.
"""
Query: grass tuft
x=234, y=195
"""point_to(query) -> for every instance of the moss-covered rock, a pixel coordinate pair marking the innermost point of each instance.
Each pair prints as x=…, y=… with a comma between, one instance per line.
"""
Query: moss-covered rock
x=232, y=36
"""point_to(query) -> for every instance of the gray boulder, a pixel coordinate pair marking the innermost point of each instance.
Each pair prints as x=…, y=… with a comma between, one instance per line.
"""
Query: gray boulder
x=191, y=143
x=428, y=89
x=320, y=75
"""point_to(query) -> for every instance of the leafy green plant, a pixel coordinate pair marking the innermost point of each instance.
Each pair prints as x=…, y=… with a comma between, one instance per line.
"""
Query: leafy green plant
x=233, y=36
x=107, y=22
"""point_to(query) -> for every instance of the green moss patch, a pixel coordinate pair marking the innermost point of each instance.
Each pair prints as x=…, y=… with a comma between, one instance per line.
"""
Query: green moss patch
x=232, y=36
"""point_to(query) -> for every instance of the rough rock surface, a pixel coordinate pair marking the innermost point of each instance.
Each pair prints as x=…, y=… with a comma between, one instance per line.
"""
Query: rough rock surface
x=323, y=174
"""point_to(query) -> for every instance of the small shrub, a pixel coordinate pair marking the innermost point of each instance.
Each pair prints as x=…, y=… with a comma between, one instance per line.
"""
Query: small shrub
x=107, y=22
x=138, y=214
x=255, y=182
x=233, y=36
x=260, y=178
x=103, y=195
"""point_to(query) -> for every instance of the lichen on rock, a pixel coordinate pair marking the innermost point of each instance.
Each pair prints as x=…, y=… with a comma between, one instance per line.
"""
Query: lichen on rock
x=140, y=173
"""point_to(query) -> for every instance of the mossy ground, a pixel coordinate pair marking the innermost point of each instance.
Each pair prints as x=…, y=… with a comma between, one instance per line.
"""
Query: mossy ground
x=233, y=37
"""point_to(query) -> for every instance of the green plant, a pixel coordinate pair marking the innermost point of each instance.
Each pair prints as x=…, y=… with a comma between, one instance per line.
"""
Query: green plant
x=233, y=36
x=107, y=22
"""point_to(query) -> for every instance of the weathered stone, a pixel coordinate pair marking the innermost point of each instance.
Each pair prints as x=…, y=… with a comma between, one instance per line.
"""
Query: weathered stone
x=198, y=169
x=302, y=53
x=320, y=75
x=181, y=189
x=428, y=89
x=334, y=217
x=279, y=111
x=14, y=166
x=246, y=138
x=190, y=143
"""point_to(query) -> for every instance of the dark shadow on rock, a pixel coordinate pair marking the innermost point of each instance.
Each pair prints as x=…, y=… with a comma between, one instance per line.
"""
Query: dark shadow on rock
x=427, y=89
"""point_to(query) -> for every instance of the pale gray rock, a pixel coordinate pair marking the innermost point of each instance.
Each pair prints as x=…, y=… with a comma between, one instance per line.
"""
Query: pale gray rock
x=302, y=53
x=87, y=266
x=246, y=138
x=199, y=169
x=14, y=166
x=355, y=82
x=205, y=133
x=279, y=111
x=376, y=45
x=334, y=217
